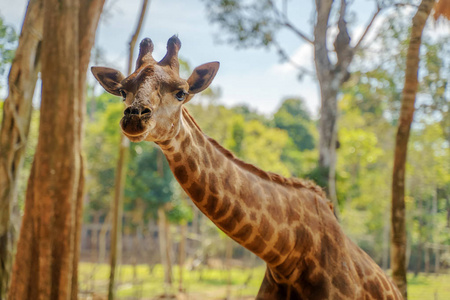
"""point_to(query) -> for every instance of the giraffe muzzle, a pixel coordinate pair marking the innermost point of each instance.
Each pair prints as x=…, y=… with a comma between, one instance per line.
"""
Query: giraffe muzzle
x=134, y=121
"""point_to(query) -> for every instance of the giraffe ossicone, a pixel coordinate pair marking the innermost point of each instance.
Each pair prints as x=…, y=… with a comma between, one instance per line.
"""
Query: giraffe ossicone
x=285, y=221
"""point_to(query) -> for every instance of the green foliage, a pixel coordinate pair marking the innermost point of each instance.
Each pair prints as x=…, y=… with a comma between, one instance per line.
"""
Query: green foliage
x=293, y=117
x=149, y=178
x=8, y=43
x=248, y=23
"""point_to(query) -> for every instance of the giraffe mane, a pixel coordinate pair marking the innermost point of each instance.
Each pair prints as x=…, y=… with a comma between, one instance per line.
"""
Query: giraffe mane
x=270, y=176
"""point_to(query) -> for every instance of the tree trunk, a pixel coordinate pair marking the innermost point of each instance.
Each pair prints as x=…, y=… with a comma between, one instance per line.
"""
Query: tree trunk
x=330, y=79
x=398, y=229
x=116, y=226
x=46, y=267
x=43, y=269
x=182, y=253
x=328, y=140
x=14, y=132
x=228, y=257
x=427, y=259
x=120, y=175
x=102, y=239
x=385, y=254
x=88, y=18
x=437, y=259
x=164, y=248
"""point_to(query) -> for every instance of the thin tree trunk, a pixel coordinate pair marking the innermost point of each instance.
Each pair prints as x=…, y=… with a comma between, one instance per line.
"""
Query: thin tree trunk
x=14, y=132
x=120, y=176
x=398, y=228
x=116, y=226
x=163, y=249
x=94, y=237
x=330, y=79
x=182, y=254
x=88, y=18
x=385, y=254
x=102, y=239
x=44, y=270
x=437, y=259
x=228, y=257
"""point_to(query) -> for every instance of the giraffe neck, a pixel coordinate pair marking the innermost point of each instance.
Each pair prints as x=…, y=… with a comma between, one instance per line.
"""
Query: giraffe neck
x=261, y=211
x=286, y=222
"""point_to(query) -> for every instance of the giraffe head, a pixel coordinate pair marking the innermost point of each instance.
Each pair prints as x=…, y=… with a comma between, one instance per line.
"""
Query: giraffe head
x=154, y=93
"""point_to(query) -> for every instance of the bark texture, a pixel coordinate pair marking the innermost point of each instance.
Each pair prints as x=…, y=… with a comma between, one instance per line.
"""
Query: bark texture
x=47, y=256
x=88, y=18
x=331, y=76
x=14, y=133
x=43, y=267
x=398, y=229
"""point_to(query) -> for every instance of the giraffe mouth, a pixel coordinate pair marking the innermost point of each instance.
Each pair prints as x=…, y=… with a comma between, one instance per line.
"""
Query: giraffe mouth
x=134, y=128
x=136, y=138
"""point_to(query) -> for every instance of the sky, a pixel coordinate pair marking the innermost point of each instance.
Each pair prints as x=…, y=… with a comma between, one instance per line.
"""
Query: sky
x=255, y=77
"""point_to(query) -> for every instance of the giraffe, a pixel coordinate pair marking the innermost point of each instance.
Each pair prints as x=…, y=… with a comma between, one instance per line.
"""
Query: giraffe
x=287, y=222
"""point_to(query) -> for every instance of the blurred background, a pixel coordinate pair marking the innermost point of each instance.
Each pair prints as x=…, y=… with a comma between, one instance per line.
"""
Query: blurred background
x=265, y=106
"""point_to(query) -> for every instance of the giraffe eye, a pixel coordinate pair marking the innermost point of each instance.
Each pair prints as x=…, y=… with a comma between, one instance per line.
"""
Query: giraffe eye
x=181, y=95
x=123, y=94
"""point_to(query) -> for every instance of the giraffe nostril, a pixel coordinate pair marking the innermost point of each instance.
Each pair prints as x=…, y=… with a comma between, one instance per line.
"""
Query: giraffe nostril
x=146, y=111
x=131, y=111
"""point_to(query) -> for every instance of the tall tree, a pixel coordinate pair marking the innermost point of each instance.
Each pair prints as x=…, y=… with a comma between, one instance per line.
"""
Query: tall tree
x=88, y=18
x=398, y=228
x=256, y=23
x=47, y=256
x=14, y=132
x=120, y=173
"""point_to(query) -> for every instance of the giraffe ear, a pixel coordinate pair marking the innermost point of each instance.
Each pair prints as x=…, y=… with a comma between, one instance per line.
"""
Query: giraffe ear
x=109, y=79
x=202, y=77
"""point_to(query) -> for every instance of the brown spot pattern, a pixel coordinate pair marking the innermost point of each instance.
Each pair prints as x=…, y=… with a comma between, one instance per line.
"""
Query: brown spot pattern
x=192, y=164
x=283, y=242
x=228, y=224
x=328, y=253
x=213, y=183
x=265, y=228
x=176, y=157
x=341, y=282
x=206, y=163
x=211, y=204
x=181, y=174
x=257, y=245
x=276, y=213
x=223, y=208
x=185, y=143
x=251, y=200
x=200, y=138
x=271, y=257
x=244, y=233
x=374, y=290
x=237, y=212
x=196, y=191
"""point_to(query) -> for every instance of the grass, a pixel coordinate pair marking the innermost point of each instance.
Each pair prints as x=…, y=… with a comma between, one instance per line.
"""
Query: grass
x=433, y=287
x=197, y=284
x=212, y=283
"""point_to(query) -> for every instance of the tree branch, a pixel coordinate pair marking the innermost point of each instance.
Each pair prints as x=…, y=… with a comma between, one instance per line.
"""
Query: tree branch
x=286, y=57
x=297, y=32
x=367, y=28
x=135, y=35
x=284, y=21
